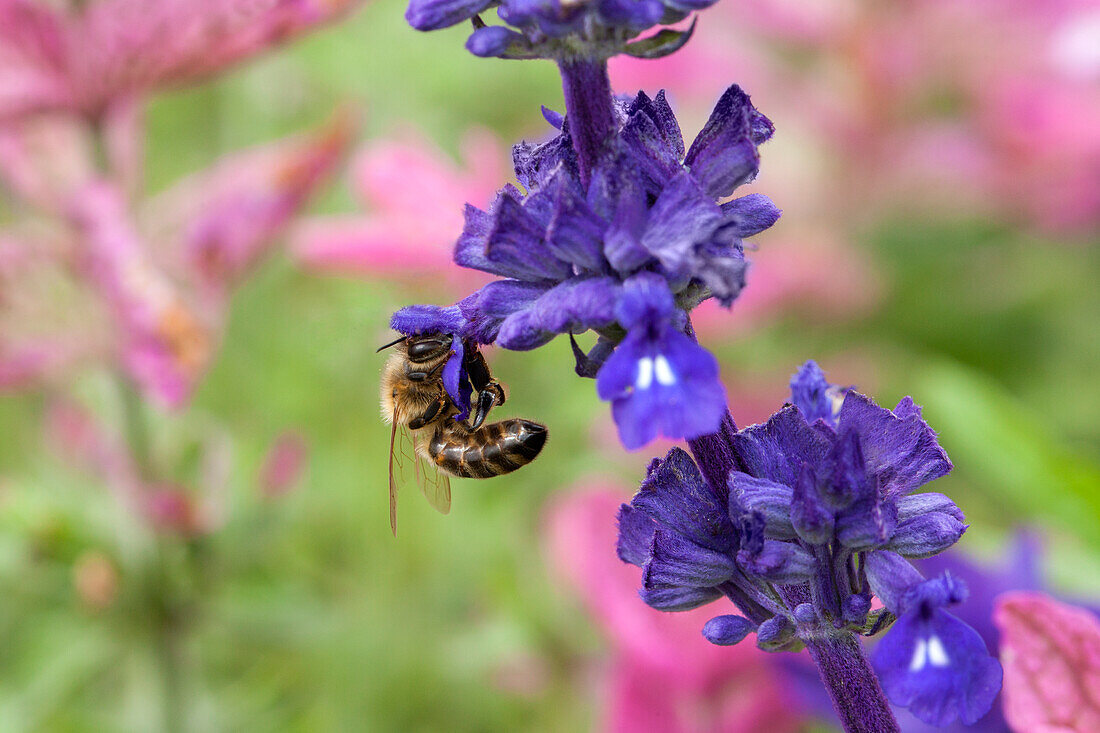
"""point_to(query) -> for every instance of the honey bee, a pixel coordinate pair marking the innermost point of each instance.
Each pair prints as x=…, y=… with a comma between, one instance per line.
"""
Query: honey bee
x=425, y=433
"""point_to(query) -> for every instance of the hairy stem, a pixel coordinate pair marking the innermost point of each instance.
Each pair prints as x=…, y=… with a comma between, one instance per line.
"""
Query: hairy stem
x=852, y=684
x=714, y=453
x=588, y=109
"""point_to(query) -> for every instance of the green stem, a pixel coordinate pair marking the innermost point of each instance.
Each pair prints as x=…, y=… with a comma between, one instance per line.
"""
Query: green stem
x=170, y=665
x=135, y=426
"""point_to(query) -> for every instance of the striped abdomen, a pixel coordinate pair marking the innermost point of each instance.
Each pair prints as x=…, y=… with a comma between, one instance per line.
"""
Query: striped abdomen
x=491, y=450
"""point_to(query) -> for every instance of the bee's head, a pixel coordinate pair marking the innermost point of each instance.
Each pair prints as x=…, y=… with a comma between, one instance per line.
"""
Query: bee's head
x=428, y=347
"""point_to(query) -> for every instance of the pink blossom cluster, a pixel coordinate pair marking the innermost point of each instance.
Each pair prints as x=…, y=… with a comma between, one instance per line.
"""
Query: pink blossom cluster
x=182, y=508
x=91, y=270
x=905, y=106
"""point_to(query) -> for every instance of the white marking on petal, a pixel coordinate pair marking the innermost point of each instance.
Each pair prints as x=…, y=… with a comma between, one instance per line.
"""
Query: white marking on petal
x=664, y=372
x=920, y=656
x=644, y=377
x=937, y=655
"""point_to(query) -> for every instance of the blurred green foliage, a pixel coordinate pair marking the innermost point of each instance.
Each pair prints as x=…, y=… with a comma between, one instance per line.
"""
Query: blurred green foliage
x=303, y=613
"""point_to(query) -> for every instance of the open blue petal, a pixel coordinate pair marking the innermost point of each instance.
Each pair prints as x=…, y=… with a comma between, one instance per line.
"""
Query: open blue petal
x=486, y=309
x=667, y=386
x=646, y=300
x=576, y=305
x=456, y=381
x=937, y=667
x=413, y=320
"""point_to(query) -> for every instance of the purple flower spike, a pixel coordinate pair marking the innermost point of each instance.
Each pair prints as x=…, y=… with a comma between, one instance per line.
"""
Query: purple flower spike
x=933, y=663
x=658, y=380
x=600, y=28
x=819, y=521
x=621, y=235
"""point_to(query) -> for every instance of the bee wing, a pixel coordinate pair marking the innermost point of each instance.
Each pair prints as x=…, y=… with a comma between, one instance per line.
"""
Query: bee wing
x=434, y=484
x=405, y=459
x=393, y=482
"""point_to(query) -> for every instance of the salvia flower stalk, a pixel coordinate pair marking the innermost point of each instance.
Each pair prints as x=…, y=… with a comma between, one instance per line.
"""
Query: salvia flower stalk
x=626, y=250
x=804, y=521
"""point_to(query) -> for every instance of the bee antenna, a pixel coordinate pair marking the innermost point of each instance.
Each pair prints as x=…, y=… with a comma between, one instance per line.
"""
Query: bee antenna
x=395, y=342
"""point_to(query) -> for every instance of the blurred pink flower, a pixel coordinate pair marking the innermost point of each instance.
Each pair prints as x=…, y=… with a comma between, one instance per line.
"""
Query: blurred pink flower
x=283, y=465
x=985, y=106
x=84, y=58
x=163, y=268
x=173, y=509
x=216, y=224
x=164, y=344
x=1051, y=656
x=414, y=195
x=805, y=272
x=663, y=676
x=195, y=506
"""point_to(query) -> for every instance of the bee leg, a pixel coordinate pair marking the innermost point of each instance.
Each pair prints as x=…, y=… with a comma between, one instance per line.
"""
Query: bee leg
x=589, y=364
x=485, y=402
x=480, y=377
x=429, y=414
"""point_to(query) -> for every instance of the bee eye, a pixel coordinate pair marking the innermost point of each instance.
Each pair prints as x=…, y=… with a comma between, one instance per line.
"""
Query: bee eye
x=428, y=348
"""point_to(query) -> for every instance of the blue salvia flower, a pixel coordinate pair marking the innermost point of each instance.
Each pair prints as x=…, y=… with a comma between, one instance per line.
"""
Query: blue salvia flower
x=628, y=252
x=550, y=28
x=819, y=517
x=930, y=661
